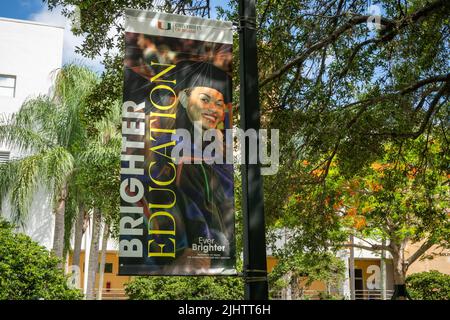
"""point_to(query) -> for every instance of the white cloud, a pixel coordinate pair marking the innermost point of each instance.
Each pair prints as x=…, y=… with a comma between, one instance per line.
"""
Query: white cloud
x=70, y=40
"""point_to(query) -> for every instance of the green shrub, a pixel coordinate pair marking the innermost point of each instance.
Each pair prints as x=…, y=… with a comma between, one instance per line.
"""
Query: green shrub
x=185, y=288
x=431, y=285
x=329, y=296
x=28, y=271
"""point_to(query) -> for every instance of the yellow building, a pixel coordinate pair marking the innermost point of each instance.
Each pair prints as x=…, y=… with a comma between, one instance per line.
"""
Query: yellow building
x=366, y=277
x=435, y=259
x=113, y=284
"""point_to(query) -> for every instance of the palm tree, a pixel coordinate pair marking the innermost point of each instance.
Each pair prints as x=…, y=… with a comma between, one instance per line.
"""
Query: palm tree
x=99, y=178
x=105, y=238
x=93, y=254
x=49, y=130
x=76, y=219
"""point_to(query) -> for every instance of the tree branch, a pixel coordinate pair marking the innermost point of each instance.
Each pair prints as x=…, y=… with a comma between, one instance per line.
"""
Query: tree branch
x=423, y=248
x=366, y=103
x=355, y=52
x=317, y=46
x=421, y=83
x=263, y=17
x=431, y=110
x=408, y=89
x=424, y=97
x=353, y=21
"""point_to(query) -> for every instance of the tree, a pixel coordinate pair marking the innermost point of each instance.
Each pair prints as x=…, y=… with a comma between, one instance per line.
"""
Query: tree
x=185, y=288
x=431, y=285
x=297, y=270
x=105, y=237
x=48, y=128
x=341, y=93
x=401, y=199
x=79, y=217
x=28, y=271
x=338, y=89
x=94, y=184
x=99, y=178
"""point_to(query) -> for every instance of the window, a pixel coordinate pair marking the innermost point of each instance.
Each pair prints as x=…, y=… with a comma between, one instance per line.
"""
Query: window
x=359, y=284
x=4, y=156
x=108, y=267
x=7, y=86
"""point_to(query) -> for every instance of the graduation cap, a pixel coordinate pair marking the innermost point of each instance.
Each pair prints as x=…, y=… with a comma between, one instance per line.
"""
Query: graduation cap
x=191, y=74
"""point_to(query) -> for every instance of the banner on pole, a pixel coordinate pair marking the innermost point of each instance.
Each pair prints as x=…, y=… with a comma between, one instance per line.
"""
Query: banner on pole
x=177, y=189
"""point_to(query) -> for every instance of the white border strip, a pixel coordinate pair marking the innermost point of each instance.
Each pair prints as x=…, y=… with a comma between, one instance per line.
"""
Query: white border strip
x=178, y=26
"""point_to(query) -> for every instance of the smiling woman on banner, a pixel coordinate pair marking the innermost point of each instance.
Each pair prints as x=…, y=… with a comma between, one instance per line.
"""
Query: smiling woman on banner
x=205, y=221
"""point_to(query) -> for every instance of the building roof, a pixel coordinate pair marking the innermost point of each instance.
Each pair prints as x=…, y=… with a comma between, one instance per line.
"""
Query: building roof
x=31, y=22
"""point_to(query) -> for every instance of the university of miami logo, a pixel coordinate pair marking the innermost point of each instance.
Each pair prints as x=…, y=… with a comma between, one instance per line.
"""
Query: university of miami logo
x=164, y=25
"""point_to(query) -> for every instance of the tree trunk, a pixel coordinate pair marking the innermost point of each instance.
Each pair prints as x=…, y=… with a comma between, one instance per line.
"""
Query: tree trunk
x=398, y=259
x=58, y=238
x=103, y=260
x=93, y=255
x=78, y=236
x=76, y=267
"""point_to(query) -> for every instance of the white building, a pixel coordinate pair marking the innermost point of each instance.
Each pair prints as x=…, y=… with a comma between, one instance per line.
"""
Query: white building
x=30, y=54
x=368, y=276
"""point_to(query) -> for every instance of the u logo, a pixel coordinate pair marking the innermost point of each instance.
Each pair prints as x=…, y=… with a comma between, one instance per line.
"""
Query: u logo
x=164, y=25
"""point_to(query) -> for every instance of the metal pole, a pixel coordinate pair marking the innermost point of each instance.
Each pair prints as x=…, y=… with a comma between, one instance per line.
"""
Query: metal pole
x=352, y=268
x=383, y=271
x=255, y=264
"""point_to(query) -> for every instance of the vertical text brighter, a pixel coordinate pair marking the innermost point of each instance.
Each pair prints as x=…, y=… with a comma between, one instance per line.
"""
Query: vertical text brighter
x=161, y=242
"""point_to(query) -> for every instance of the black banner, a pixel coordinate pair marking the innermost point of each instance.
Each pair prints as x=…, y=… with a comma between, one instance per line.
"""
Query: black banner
x=177, y=187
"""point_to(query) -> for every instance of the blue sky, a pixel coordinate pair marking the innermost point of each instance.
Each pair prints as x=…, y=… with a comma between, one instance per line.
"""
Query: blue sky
x=20, y=9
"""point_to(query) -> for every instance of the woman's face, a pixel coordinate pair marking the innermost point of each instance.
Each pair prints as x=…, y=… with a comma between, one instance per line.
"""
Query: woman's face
x=206, y=105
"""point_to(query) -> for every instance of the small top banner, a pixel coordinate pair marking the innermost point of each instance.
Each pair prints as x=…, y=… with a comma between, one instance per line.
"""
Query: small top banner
x=177, y=185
